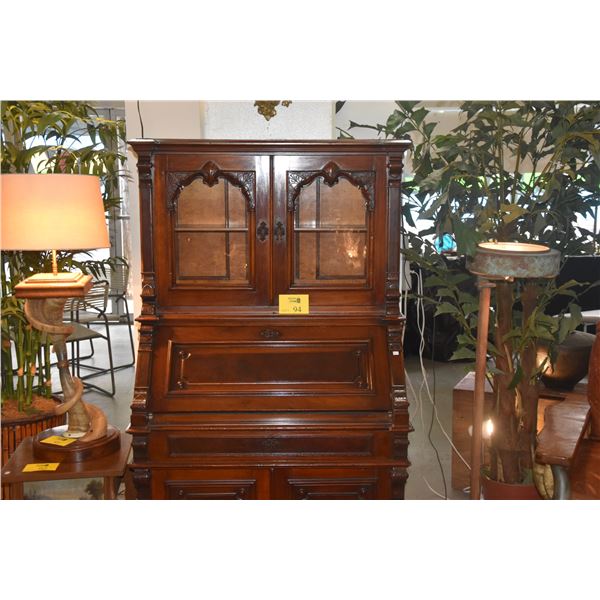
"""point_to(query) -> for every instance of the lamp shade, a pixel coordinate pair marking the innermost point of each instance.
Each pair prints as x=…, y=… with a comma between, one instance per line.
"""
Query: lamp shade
x=52, y=212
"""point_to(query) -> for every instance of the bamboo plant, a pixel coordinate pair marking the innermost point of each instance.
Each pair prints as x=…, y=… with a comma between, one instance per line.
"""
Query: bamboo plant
x=509, y=171
x=49, y=137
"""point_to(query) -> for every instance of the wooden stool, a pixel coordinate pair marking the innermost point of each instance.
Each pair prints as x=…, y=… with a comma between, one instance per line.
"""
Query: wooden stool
x=110, y=467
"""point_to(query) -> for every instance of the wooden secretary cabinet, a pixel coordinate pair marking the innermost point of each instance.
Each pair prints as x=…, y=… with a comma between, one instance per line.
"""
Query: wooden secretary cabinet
x=233, y=399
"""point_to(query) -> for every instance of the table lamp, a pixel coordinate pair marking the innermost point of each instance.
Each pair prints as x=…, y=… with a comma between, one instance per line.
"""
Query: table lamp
x=499, y=261
x=58, y=212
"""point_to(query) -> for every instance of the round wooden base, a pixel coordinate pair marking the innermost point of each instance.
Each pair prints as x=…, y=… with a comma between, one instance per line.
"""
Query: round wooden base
x=75, y=451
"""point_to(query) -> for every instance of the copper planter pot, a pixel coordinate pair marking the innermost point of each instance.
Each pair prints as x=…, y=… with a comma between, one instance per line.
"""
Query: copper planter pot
x=498, y=490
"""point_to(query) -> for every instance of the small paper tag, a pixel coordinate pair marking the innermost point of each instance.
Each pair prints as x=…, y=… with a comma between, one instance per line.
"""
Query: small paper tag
x=58, y=440
x=293, y=305
x=30, y=468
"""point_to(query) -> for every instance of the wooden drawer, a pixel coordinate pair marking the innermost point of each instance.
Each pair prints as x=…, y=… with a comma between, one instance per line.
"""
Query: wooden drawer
x=270, y=368
x=308, y=483
x=210, y=484
x=272, y=447
x=282, y=483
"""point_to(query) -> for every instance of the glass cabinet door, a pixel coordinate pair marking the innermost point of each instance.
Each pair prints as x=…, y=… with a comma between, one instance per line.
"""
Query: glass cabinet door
x=329, y=210
x=330, y=235
x=215, y=211
x=211, y=235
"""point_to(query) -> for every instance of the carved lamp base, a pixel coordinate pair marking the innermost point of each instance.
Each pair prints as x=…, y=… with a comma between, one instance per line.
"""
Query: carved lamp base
x=44, y=307
x=76, y=451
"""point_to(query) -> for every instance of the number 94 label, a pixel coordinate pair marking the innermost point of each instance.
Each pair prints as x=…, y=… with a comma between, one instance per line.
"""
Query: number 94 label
x=293, y=305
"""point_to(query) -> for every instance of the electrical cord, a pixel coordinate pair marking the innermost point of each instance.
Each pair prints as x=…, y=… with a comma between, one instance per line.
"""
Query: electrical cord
x=140, y=115
x=425, y=382
x=433, y=411
x=421, y=331
x=425, y=387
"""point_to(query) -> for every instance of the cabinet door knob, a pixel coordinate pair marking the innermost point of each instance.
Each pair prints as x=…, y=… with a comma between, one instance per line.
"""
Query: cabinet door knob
x=279, y=231
x=262, y=231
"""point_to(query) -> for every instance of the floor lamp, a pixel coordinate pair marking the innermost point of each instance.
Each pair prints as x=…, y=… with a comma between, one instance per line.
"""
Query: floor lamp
x=59, y=212
x=499, y=261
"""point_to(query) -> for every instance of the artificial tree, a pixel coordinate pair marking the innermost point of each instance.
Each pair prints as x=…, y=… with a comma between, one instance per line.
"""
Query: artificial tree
x=509, y=171
x=49, y=137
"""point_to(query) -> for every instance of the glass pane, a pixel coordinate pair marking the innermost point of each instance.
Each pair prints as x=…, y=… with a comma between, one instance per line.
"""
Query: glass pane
x=201, y=206
x=236, y=205
x=212, y=255
x=331, y=234
x=306, y=256
x=307, y=206
x=238, y=256
x=201, y=255
x=342, y=255
x=341, y=205
x=331, y=255
x=211, y=233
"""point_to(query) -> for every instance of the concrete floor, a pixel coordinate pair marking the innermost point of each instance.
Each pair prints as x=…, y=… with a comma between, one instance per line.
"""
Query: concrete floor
x=425, y=480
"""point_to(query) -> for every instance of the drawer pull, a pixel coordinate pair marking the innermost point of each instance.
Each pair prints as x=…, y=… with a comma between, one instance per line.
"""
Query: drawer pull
x=270, y=334
x=183, y=356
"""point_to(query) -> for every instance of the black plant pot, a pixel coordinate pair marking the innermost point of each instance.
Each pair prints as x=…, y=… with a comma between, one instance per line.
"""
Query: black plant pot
x=572, y=361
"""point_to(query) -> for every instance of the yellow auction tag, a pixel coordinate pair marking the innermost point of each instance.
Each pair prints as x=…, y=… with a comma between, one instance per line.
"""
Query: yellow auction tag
x=293, y=305
x=30, y=468
x=58, y=440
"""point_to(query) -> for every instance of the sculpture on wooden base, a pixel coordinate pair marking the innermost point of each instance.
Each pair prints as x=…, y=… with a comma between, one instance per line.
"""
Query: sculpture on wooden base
x=87, y=430
x=85, y=421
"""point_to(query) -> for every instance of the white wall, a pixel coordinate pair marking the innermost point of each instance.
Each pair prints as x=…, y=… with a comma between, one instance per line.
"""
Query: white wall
x=241, y=120
x=445, y=112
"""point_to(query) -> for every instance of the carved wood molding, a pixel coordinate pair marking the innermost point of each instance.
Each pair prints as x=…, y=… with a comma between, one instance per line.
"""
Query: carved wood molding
x=148, y=294
x=392, y=294
x=331, y=173
x=399, y=476
x=142, y=479
x=394, y=338
x=140, y=400
x=400, y=447
x=143, y=374
x=139, y=443
x=210, y=173
x=145, y=164
x=394, y=167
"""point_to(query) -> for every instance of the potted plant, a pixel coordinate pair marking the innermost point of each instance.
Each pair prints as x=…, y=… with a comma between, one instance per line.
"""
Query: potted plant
x=509, y=171
x=46, y=137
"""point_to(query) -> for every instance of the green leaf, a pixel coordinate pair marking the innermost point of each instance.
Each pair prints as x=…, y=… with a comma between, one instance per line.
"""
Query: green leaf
x=516, y=379
x=407, y=105
x=463, y=353
x=445, y=293
x=470, y=307
x=446, y=308
x=419, y=115
x=512, y=212
x=429, y=127
x=466, y=237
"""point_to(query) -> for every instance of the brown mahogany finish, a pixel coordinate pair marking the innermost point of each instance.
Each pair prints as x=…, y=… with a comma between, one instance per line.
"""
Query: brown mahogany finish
x=232, y=399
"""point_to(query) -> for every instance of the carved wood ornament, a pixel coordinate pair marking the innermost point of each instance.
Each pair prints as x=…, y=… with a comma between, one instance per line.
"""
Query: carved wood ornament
x=210, y=173
x=331, y=173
